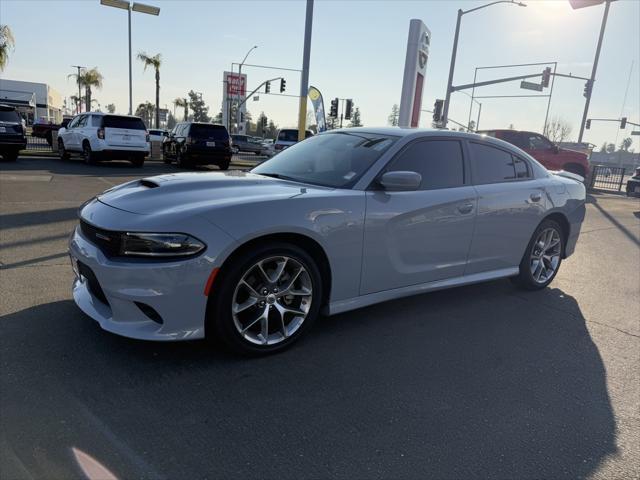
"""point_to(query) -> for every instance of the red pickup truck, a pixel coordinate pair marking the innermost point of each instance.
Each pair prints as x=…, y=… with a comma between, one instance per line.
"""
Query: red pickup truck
x=543, y=150
x=43, y=130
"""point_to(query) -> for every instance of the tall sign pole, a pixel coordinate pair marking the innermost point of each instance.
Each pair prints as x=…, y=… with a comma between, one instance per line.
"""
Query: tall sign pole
x=593, y=71
x=304, y=80
x=415, y=68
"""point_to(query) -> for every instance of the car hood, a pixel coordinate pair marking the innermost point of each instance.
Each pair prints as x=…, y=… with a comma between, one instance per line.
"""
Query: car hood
x=166, y=194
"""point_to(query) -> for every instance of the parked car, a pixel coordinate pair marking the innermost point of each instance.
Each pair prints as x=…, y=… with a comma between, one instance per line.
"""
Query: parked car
x=101, y=136
x=287, y=137
x=545, y=151
x=13, y=134
x=193, y=143
x=157, y=135
x=45, y=129
x=633, y=184
x=245, y=143
x=340, y=221
x=268, y=150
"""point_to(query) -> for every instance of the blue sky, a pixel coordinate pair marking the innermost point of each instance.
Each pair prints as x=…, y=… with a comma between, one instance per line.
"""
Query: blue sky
x=358, y=50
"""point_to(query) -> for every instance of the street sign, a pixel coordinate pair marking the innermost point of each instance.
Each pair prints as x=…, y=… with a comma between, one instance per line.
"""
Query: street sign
x=163, y=113
x=531, y=86
x=636, y=132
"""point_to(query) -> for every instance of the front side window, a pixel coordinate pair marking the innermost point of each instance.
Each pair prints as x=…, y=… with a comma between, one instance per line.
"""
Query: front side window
x=82, y=121
x=538, y=142
x=440, y=162
x=335, y=160
x=490, y=164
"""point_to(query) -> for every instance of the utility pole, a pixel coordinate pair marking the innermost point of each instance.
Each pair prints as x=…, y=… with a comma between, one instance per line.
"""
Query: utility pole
x=304, y=80
x=79, y=67
x=593, y=71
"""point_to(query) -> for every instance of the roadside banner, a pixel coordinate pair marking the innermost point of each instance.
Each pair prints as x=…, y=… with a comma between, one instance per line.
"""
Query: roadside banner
x=234, y=89
x=415, y=69
x=318, y=107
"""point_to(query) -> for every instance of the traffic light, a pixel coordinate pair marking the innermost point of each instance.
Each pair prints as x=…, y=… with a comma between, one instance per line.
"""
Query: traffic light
x=333, y=112
x=283, y=85
x=347, y=110
x=587, y=89
x=267, y=87
x=623, y=123
x=437, y=110
x=587, y=125
x=546, y=75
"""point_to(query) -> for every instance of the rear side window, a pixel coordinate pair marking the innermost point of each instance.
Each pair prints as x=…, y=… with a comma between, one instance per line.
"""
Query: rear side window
x=522, y=168
x=9, y=116
x=96, y=121
x=491, y=165
x=201, y=131
x=117, y=121
x=440, y=162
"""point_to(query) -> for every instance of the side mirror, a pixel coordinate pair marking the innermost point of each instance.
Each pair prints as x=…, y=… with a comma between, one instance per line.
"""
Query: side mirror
x=401, y=181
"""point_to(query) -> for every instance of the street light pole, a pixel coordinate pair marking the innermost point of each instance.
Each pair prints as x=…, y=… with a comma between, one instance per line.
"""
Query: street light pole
x=304, y=80
x=447, y=99
x=238, y=116
x=130, y=73
x=593, y=71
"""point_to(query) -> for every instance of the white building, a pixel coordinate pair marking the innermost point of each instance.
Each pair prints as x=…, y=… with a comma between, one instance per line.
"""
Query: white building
x=30, y=96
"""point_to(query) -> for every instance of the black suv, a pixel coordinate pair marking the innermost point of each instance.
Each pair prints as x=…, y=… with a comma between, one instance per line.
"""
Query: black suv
x=191, y=143
x=13, y=136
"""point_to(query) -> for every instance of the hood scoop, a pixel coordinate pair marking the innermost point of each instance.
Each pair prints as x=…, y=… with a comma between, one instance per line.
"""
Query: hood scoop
x=147, y=182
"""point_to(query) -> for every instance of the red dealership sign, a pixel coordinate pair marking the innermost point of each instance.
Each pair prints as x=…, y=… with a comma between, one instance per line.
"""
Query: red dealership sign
x=236, y=84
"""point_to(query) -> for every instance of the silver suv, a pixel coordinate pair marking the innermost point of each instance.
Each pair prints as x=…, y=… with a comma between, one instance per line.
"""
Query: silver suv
x=102, y=136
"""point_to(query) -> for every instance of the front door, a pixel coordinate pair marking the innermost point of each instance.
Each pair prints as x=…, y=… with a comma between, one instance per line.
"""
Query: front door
x=414, y=237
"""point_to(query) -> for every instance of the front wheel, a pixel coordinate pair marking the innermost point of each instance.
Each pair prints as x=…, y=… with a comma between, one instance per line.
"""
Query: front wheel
x=265, y=301
x=181, y=160
x=64, y=155
x=542, y=258
x=87, y=154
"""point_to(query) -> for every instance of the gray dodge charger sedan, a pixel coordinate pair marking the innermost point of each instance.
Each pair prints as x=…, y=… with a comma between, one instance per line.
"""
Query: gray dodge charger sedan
x=339, y=221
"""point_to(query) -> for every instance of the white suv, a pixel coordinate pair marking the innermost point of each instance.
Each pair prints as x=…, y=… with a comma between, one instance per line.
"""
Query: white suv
x=102, y=136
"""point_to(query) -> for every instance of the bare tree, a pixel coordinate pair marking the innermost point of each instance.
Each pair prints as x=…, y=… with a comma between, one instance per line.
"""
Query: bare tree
x=393, y=116
x=626, y=143
x=557, y=130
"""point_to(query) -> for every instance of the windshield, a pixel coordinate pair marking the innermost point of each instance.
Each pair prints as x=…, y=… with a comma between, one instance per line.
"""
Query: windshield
x=131, y=123
x=202, y=131
x=9, y=116
x=333, y=160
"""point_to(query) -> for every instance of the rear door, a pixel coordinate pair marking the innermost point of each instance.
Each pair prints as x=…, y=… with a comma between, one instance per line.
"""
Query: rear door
x=420, y=236
x=122, y=132
x=511, y=204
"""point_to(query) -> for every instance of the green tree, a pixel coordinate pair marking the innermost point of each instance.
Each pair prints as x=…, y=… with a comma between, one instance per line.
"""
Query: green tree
x=626, y=143
x=218, y=117
x=393, y=116
x=90, y=78
x=7, y=43
x=182, y=103
x=262, y=124
x=355, y=118
x=145, y=111
x=603, y=148
x=272, y=130
x=611, y=148
x=154, y=62
x=198, y=107
x=111, y=108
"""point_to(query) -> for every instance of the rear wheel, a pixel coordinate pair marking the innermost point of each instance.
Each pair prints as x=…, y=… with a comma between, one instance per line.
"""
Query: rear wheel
x=265, y=301
x=165, y=156
x=87, y=154
x=542, y=258
x=182, y=160
x=224, y=165
x=62, y=152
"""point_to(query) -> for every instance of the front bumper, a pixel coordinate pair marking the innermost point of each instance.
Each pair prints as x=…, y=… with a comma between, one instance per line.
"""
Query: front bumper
x=173, y=289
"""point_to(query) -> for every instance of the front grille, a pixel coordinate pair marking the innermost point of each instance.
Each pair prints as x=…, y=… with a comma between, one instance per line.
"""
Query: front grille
x=92, y=282
x=106, y=240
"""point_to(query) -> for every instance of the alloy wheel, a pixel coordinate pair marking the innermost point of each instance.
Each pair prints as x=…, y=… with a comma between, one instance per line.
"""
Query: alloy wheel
x=272, y=300
x=545, y=255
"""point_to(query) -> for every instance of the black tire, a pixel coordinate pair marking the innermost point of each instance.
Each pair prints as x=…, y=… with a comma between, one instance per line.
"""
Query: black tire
x=87, y=154
x=137, y=161
x=10, y=155
x=525, y=279
x=62, y=152
x=49, y=137
x=181, y=160
x=224, y=165
x=165, y=157
x=220, y=324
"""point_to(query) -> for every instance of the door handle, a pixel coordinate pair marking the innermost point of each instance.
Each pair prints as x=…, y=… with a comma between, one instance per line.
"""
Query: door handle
x=465, y=208
x=535, y=197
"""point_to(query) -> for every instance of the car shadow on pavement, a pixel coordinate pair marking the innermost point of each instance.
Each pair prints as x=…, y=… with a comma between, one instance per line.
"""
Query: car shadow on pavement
x=481, y=381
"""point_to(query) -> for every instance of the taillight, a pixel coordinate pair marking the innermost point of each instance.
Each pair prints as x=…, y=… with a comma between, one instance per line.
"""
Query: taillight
x=101, y=133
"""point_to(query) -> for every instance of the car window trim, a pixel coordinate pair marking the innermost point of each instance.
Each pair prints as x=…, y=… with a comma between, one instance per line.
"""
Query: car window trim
x=487, y=144
x=375, y=185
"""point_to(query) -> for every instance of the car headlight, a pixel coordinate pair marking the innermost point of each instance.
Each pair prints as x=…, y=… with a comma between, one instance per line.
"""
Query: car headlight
x=160, y=245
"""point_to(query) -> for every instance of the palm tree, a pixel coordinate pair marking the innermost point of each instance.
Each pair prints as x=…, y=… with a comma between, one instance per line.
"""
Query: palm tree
x=7, y=42
x=154, y=62
x=182, y=102
x=145, y=111
x=76, y=101
x=90, y=78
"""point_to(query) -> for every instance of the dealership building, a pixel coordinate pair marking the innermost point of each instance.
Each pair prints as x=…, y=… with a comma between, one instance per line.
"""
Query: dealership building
x=31, y=98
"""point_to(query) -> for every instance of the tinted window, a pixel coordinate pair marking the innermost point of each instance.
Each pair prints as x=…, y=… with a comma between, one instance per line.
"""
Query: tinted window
x=96, y=120
x=288, y=135
x=439, y=162
x=203, y=131
x=116, y=121
x=537, y=142
x=82, y=121
x=9, y=116
x=334, y=159
x=514, y=138
x=491, y=165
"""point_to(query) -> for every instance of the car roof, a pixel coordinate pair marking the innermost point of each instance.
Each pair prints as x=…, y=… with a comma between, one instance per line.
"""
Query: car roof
x=405, y=132
x=504, y=130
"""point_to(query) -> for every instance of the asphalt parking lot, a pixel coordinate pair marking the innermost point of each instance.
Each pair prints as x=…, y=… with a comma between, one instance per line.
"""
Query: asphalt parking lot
x=483, y=381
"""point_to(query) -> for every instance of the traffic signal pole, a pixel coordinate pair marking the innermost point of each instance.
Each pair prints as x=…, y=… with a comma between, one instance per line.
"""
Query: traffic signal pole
x=593, y=71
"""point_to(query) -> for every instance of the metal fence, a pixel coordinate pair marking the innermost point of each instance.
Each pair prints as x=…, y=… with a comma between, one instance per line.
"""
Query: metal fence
x=35, y=144
x=607, y=178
